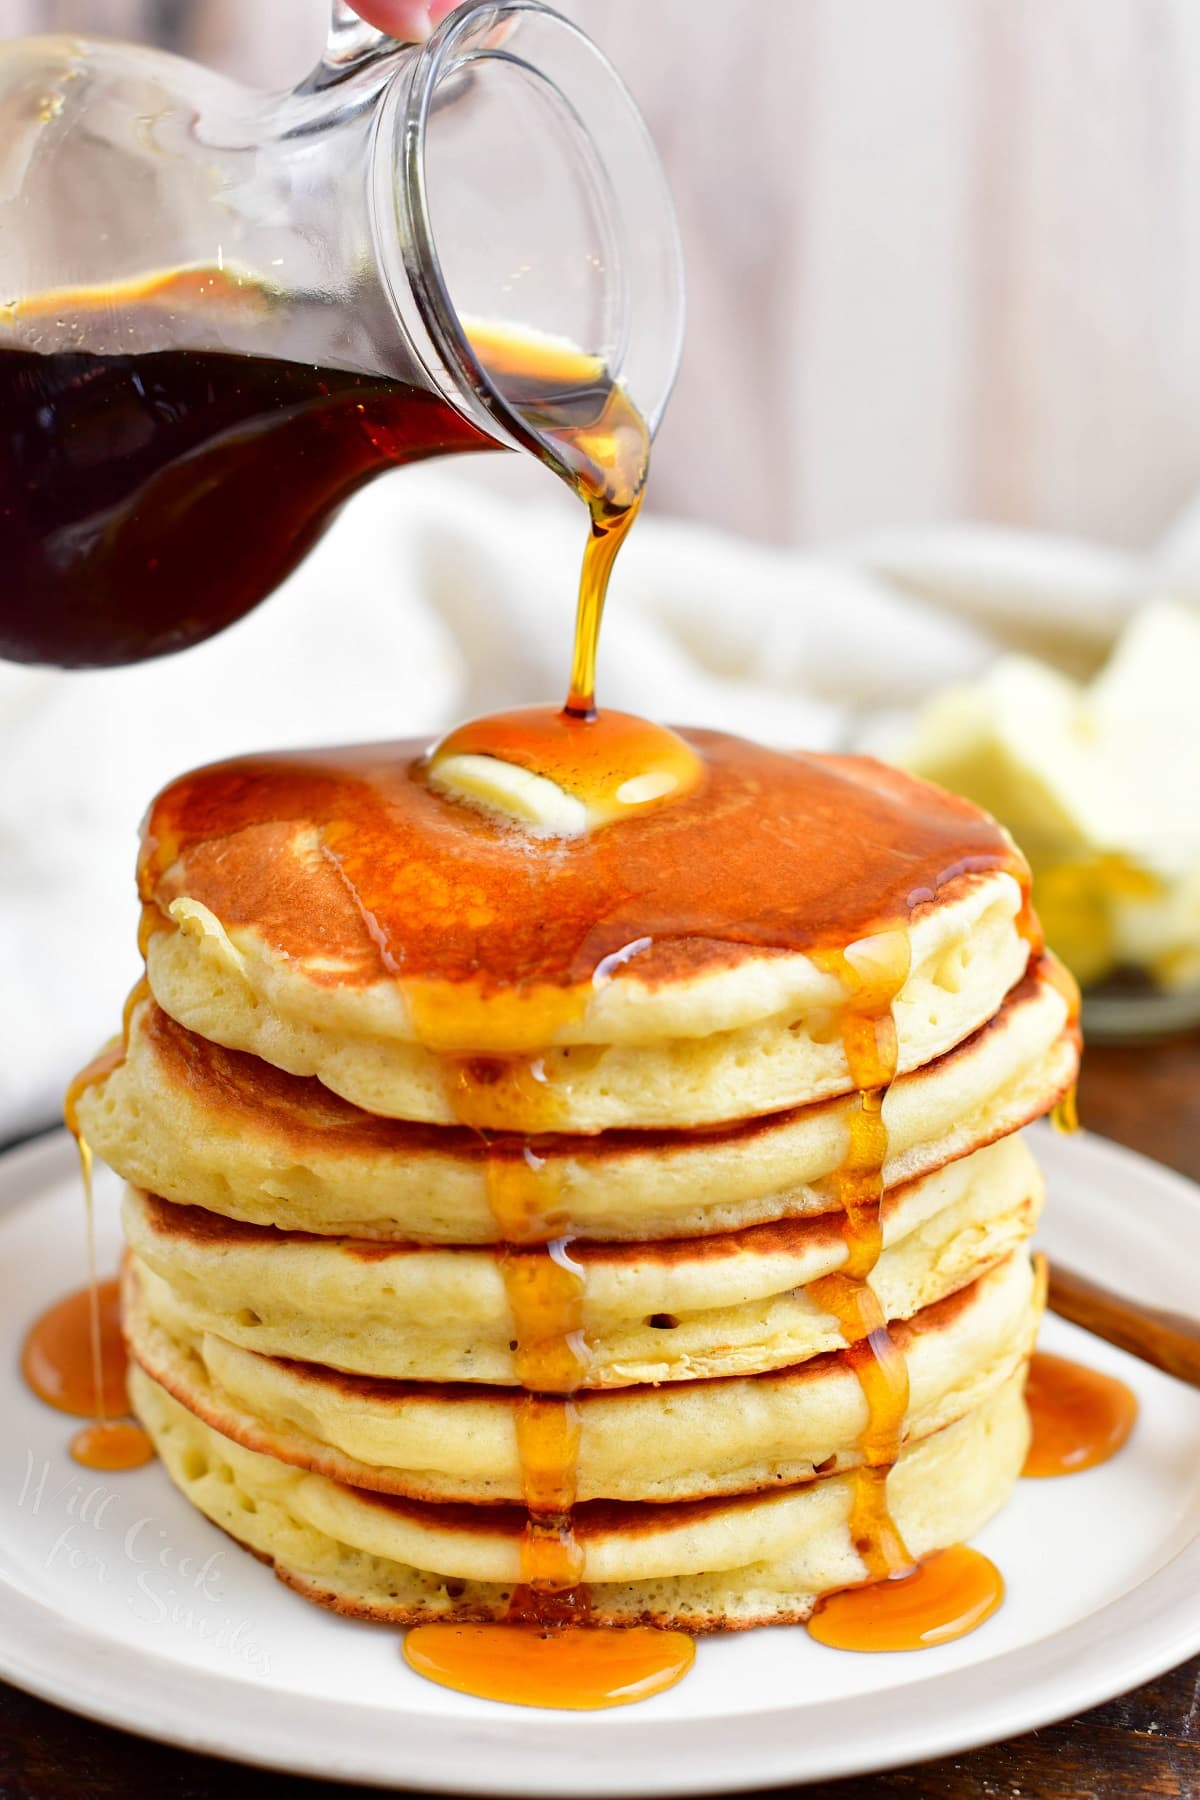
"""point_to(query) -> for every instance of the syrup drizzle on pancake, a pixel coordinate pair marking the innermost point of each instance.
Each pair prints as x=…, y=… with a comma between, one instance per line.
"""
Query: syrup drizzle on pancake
x=545, y=1653
x=905, y=1605
x=872, y=974
x=902, y=1605
x=545, y=1288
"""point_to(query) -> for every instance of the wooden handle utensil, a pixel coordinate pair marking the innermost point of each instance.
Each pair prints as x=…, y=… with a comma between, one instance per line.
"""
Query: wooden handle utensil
x=1169, y=1340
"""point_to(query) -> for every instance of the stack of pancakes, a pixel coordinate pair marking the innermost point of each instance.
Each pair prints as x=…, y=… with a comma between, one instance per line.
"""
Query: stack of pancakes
x=638, y=1219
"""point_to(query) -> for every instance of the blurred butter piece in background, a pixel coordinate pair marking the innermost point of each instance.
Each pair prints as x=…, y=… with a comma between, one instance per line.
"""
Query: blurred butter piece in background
x=1100, y=785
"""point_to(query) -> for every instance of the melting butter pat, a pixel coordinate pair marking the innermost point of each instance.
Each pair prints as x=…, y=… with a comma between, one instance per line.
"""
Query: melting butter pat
x=559, y=774
x=512, y=792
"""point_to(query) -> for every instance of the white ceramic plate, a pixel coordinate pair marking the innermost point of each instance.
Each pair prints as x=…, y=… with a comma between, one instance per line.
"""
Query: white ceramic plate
x=123, y=1603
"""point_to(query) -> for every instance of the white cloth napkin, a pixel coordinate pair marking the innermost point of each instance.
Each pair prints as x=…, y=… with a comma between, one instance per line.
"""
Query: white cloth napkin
x=433, y=599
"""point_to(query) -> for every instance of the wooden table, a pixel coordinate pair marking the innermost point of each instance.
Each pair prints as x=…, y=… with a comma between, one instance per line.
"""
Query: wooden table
x=1145, y=1746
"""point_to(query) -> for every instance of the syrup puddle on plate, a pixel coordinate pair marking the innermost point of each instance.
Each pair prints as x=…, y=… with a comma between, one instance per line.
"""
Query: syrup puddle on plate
x=949, y=1594
x=1080, y=1417
x=571, y=1667
x=73, y=1358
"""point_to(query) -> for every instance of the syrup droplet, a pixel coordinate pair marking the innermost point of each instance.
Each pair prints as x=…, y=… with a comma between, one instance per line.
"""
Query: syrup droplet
x=112, y=1444
x=1080, y=1417
x=574, y=1667
x=1064, y=1114
x=948, y=1595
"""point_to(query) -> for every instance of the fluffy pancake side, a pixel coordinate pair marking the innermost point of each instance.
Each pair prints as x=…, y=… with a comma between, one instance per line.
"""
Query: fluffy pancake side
x=680, y=1312
x=216, y=1128
x=770, y=1558
x=787, y=1058
x=733, y=1435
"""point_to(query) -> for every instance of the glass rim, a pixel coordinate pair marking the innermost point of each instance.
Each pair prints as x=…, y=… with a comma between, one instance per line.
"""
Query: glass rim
x=438, y=60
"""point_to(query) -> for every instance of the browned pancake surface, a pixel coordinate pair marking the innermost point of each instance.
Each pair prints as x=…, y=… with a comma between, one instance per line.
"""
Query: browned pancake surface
x=774, y=852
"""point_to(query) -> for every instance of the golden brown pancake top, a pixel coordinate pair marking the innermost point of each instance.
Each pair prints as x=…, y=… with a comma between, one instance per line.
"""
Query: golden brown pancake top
x=774, y=852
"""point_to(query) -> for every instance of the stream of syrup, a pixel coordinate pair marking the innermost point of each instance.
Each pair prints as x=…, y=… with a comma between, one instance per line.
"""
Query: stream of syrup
x=871, y=974
x=599, y=440
x=901, y=1604
x=546, y=1652
x=74, y=1355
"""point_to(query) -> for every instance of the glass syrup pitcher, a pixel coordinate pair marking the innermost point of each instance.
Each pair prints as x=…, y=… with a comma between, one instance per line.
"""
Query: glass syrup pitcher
x=221, y=312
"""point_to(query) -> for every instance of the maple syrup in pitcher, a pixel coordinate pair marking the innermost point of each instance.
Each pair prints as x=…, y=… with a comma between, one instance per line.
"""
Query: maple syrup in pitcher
x=222, y=311
x=149, y=499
